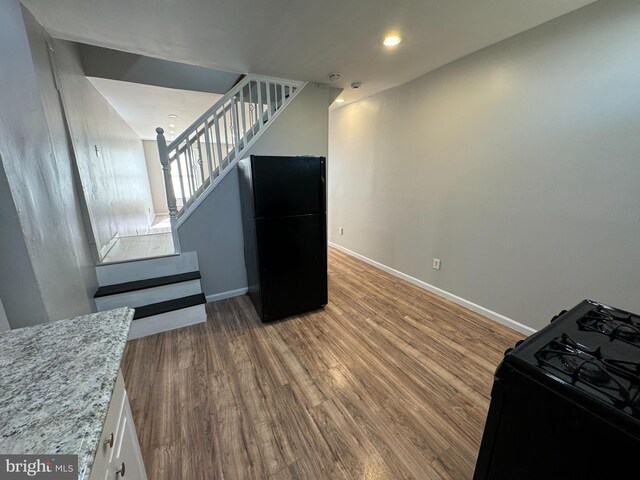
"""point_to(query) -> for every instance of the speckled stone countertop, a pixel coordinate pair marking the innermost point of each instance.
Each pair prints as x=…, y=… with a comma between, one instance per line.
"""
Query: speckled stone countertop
x=56, y=381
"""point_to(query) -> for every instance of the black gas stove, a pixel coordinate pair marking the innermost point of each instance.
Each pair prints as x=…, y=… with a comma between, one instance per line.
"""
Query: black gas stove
x=566, y=402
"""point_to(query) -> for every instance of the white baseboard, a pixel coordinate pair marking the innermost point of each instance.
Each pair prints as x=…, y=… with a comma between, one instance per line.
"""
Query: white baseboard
x=167, y=321
x=443, y=293
x=231, y=293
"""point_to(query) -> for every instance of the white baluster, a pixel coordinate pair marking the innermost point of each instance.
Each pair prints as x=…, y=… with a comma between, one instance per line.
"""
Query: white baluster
x=207, y=140
x=244, y=122
x=236, y=127
x=259, y=113
x=226, y=134
x=188, y=161
x=200, y=162
x=216, y=123
x=180, y=177
x=268, y=100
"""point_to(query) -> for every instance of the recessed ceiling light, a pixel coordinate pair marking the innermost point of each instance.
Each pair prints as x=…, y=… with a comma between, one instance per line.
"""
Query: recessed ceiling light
x=172, y=132
x=172, y=125
x=339, y=100
x=392, y=40
x=173, y=115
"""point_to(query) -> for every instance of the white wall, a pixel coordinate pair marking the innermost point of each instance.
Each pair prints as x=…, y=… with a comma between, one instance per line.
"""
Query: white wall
x=518, y=166
x=214, y=230
x=115, y=182
x=156, y=177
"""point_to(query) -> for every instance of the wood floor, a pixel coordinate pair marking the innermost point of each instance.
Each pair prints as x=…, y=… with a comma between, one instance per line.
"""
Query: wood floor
x=387, y=381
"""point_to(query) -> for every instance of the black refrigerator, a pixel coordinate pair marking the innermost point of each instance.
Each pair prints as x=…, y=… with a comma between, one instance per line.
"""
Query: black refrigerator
x=284, y=217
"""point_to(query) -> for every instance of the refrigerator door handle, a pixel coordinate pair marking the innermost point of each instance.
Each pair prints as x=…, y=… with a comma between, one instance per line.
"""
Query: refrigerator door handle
x=323, y=185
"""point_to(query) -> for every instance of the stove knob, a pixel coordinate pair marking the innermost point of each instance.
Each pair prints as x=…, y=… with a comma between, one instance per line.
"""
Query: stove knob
x=519, y=342
x=558, y=316
x=508, y=350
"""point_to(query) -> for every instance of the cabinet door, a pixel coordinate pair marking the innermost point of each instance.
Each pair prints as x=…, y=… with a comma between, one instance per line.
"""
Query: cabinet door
x=100, y=470
x=127, y=454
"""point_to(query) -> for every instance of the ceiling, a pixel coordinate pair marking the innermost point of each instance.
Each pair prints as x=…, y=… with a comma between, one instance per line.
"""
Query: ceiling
x=300, y=39
x=146, y=107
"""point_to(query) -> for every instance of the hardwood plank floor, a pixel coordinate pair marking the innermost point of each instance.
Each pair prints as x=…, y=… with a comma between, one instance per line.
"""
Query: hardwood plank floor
x=387, y=381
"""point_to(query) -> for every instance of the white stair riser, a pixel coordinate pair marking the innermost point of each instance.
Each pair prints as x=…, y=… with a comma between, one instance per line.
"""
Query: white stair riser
x=149, y=268
x=168, y=321
x=147, y=296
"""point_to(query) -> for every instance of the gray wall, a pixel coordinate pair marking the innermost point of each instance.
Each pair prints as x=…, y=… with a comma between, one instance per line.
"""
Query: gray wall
x=129, y=67
x=214, y=230
x=43, y=253
x=116, y=185
x=68, y=181
x=518, y=166
x=17, y=276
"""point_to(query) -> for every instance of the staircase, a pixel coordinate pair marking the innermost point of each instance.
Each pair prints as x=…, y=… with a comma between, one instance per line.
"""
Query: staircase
x=166, y=291
x=198, y=159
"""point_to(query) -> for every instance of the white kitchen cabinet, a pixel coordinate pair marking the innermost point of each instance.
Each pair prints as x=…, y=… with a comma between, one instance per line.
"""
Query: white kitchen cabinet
x=118, y=456
x=127, y=460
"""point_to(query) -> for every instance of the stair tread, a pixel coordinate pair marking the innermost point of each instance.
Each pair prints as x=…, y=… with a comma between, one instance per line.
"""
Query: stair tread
x=169, y=306
x=126, y=287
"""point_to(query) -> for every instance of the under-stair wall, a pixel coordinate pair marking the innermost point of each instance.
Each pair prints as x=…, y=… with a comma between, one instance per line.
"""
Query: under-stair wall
x=214, y=229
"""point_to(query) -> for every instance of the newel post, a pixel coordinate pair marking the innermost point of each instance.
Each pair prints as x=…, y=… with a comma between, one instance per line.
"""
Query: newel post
x=168, y=185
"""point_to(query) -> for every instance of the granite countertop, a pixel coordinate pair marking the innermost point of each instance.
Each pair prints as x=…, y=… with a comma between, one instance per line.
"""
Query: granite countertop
x=56, y=381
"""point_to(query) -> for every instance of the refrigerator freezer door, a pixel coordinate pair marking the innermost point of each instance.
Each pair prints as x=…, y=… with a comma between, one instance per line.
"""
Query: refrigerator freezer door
x=293, y=264
x=285, y=186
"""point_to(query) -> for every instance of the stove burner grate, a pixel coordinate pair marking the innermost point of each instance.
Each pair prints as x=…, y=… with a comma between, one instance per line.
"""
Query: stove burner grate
x=588, y=367
x=615, y=324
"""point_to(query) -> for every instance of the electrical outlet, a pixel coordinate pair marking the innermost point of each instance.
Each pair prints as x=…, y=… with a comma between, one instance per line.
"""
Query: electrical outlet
x=436, y=263
x=341, y=231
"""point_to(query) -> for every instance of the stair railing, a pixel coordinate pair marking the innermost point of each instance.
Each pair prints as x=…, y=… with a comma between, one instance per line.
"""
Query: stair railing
x=204, y=153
